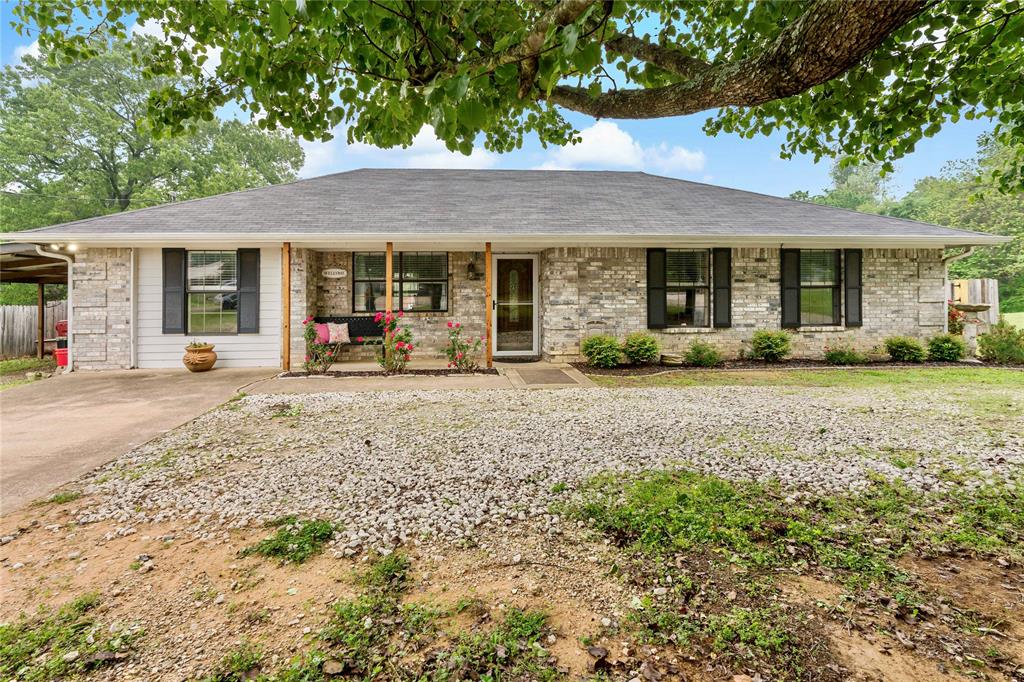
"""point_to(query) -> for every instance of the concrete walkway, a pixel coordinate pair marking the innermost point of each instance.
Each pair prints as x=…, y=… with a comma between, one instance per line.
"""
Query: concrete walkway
x=54, y=430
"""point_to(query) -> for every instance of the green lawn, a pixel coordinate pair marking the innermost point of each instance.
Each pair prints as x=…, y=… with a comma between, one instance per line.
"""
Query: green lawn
x=858, y=378
x=1016, y=319
x=12, y=372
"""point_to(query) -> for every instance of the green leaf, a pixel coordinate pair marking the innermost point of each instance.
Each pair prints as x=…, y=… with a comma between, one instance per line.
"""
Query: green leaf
x=570, y=34
x=472, y=114
x=279, y=21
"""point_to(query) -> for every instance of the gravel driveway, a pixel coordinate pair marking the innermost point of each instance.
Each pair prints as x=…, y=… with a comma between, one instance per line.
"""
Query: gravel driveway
x=398, y=466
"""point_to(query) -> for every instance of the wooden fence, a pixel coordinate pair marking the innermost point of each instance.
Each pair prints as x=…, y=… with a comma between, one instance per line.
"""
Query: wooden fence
x=977, y=291
x=18, y=324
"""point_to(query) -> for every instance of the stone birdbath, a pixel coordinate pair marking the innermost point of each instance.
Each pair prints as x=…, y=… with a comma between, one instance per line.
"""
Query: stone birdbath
x=973, y=325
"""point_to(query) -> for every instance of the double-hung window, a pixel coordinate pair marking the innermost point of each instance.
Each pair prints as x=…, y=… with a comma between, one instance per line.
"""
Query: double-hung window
x=687, y=287
x=420, y=281
x=819, y=287
x=212, y=292
x=812, y=282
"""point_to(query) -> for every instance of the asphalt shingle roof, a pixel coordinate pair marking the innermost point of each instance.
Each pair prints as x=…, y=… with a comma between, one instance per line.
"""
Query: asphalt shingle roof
x=501, y=202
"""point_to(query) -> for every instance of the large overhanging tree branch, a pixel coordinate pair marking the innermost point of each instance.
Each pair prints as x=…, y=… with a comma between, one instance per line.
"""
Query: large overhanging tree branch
x=862, y=78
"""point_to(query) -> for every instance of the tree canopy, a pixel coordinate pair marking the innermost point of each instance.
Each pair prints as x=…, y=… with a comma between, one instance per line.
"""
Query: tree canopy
x=74, y=143
x=963, y=195
x=840, y=77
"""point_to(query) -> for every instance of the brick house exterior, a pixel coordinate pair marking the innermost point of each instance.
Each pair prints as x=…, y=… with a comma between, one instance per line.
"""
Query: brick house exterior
x=146, y=281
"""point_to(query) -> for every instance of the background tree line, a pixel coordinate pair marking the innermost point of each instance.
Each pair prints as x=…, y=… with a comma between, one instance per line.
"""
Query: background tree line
x=965, y=194
x=75, y=143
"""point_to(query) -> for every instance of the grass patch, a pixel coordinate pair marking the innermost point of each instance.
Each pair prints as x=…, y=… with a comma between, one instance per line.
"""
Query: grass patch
x=28, y=364
x=924, y=377
x=376, y=636
x=238, y=665
x=719, y=544
x=294, y=542
x=60, y=645
x=511, y=650
x=751, y=525
x=59, y=498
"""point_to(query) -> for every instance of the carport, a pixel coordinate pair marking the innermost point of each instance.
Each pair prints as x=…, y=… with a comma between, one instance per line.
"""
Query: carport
x=30, y=264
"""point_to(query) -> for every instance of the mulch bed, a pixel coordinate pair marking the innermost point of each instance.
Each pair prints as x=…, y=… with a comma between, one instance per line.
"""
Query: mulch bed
x=740, y=365
x=378, y=373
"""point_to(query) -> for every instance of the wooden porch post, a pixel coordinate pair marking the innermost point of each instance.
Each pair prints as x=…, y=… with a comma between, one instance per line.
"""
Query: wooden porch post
x=488, y=305
x=286, y=306
x=389, y=275
x=40, y=320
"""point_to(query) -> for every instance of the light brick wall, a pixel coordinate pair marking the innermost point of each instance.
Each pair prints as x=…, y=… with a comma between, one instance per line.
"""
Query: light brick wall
x=313, y=294
x=101, y=325
x=586, y=291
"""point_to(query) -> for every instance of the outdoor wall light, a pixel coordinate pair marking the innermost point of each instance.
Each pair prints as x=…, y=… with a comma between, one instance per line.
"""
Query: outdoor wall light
x=72, y=247
x=471, y=268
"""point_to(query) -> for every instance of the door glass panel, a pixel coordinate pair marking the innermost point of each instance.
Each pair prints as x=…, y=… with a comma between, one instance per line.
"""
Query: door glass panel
x=514, y=297
x=515, y=280
x=515, y=327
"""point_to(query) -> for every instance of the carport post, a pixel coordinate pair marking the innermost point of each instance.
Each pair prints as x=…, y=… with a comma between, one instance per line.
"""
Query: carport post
x=40, y=320
x=488, y=305
x=286, y=306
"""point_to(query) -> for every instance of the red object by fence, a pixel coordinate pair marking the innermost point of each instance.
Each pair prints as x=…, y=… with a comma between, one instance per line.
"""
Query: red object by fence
x=62, y=356
x=62, y=327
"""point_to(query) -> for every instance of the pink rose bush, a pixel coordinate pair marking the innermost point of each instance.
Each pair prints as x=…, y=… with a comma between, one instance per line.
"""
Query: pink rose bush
x=320, y=353
x=396, y=343
x=462, y=354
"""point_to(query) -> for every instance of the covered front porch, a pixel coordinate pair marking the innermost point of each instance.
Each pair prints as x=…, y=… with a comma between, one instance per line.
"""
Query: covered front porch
x=493, y=296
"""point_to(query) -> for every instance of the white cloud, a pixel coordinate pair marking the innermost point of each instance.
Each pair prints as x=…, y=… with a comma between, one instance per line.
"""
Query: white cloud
x=154, y=29
x=426, y=151
x=605, y=145
x=22, y=51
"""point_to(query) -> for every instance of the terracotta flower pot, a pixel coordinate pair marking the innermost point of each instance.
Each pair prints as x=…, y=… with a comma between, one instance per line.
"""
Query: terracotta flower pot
x=199, y=358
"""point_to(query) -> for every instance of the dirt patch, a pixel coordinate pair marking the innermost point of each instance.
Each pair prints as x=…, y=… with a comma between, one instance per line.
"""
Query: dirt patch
x=991, y=592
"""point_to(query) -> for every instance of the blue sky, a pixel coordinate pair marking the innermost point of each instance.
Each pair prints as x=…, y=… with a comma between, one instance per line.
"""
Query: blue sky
x=676, y=147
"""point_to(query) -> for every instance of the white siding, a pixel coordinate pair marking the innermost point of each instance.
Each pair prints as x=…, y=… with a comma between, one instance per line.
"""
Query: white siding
x=155, y=349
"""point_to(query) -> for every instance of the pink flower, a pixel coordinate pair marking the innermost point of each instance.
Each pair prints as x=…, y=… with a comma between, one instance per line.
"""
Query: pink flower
x=307, y=358
x=401, y=313
x=330, y=353
x=407, y=358
x=458, y=324
x=378, y=317
x=449, y=324
x=459, y=355
x=408, y=347
x=400, y=345
x=483, y=338
x=359, y=339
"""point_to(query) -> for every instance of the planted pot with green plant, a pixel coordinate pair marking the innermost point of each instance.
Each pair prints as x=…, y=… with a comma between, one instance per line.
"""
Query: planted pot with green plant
x=199, y=356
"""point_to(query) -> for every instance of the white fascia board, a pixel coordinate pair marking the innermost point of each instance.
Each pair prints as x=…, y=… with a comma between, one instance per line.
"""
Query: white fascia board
x=475, y=241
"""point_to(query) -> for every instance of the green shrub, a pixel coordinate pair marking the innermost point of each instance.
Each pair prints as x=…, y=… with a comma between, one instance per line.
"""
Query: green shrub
x=905, y=349
x=946, y=348
x=769, y=346
x=1003, y=344
x=602, y=350
x=843, y=354
x=703, y=354
x=641, y=348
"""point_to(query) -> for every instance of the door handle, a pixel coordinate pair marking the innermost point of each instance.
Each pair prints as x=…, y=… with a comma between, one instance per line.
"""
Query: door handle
x=494, y=304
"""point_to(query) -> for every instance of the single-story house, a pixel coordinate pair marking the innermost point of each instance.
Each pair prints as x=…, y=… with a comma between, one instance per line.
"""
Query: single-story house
x=536, y=261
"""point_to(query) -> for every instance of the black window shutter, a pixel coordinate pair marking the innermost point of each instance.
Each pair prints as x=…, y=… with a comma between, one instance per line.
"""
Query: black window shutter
x=174, y=291
x=790, y=288
x=248, y=291
x=656, y=314
x=852, y=279
x=722, y=273
x=837, y=290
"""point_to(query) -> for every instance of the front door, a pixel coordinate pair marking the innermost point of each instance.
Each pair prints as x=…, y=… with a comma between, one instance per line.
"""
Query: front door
x=515, y=305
